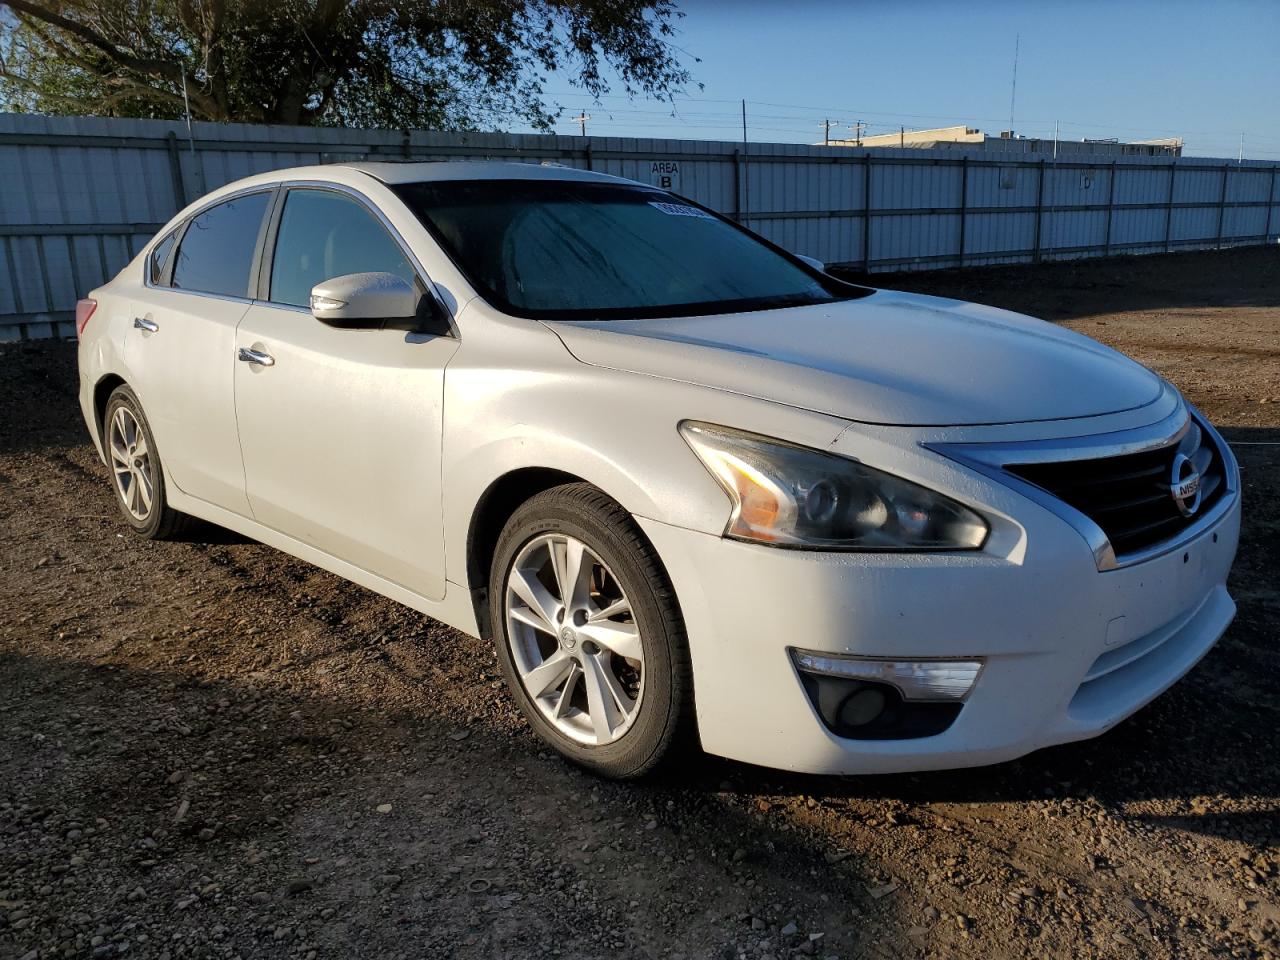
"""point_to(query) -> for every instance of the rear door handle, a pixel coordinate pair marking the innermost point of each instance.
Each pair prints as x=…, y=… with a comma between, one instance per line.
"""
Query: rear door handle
x=148, y=325
x=256, y=356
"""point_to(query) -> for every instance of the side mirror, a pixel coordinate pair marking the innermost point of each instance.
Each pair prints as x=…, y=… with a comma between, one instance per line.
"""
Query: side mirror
x=816, y=264
x=366, y=301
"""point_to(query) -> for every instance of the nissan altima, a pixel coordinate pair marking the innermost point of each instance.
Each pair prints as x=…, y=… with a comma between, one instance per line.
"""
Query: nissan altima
x=693, y=488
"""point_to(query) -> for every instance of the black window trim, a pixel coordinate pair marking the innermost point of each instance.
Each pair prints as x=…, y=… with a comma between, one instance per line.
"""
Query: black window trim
x=180, y=231
x=267, y=246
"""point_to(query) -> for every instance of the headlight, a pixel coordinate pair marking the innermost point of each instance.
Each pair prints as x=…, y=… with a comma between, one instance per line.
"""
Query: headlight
x=798, y=497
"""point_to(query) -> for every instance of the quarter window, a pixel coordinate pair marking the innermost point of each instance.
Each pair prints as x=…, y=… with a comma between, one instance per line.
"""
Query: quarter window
x=159, y=254
x=324, y=235
x=216, y=252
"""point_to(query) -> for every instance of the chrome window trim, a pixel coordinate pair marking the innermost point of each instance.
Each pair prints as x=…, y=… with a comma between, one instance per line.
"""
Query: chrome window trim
x=181, y=228
x=990, y=459
x=397, y=238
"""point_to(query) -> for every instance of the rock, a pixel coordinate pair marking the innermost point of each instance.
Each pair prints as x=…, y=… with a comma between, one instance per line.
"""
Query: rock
x=295, y=887
x=206, y=834
x=384, y=808
x=790, y=930
x=880, y=892
x=757, y=923
x=260, y=897
x=176, y=777
x=932, y=913
x=651, y=825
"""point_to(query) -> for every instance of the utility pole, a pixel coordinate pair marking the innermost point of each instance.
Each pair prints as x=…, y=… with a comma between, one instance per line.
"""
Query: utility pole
x=1013, y=93
x=902, y=136
x=857, y=131
x=1055, y=140
x=191, y=140
x=1240, y=159
x=826, y=133
x=744, y=122
x=581, y=119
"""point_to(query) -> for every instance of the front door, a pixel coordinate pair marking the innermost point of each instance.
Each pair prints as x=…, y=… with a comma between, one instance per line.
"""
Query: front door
x=341, y=429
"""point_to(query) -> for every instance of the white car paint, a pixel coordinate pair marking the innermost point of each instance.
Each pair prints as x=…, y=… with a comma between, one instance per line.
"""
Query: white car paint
x=369, y=453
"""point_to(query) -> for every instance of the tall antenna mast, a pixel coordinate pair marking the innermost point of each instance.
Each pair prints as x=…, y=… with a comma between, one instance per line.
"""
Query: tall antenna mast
x=1013, y=94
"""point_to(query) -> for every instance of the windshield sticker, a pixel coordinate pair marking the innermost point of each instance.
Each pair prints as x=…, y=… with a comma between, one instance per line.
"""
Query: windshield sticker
x=680, y=210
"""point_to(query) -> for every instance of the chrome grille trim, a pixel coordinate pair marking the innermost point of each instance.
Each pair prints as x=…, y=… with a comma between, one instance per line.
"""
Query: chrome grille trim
x=991, y=460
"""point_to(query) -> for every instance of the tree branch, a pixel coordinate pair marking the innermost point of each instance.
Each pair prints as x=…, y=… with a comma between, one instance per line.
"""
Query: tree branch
x=161, y=69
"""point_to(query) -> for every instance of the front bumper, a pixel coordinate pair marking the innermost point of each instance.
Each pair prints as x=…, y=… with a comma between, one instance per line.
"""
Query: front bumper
x=1070, y=651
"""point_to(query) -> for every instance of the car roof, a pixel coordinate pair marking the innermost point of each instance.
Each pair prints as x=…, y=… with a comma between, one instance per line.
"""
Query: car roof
x=394, y=172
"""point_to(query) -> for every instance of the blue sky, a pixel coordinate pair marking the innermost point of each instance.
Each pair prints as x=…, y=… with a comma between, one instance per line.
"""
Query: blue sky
x=1205, y=71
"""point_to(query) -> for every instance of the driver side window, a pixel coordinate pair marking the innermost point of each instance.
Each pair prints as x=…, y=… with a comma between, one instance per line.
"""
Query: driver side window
x=323, y=235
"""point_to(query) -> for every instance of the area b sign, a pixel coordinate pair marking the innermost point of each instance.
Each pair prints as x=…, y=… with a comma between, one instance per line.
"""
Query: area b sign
x=665, y=174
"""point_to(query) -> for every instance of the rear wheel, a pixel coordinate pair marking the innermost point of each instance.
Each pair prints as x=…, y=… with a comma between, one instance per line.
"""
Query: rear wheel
x=136, y=472
x=588, y=632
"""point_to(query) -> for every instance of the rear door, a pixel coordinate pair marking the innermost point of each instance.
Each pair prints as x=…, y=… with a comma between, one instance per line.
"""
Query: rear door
x=181, y=348
x=341, y=428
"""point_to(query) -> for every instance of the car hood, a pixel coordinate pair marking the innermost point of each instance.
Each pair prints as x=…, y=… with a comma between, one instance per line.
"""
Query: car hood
x=887, y=358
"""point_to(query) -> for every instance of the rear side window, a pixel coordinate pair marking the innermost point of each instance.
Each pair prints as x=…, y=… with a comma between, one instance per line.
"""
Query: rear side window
x=323, y=235
x=159, y=256
x=216, y=251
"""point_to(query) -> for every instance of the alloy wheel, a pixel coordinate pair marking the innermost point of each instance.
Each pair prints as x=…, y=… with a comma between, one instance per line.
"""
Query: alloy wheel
x=574, y=640
x=131, y=463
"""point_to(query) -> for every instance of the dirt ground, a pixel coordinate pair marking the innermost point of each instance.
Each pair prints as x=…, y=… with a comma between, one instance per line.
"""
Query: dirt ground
x=209, y=749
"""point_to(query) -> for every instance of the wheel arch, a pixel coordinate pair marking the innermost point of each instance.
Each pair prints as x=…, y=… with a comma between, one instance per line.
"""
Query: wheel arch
x=102, y=391
x=499, y=501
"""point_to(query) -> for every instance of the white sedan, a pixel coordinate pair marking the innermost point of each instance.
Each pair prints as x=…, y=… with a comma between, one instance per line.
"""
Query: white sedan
x=687, y=482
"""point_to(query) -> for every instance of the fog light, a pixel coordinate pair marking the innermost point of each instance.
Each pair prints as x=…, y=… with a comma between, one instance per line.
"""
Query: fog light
x=862, y=706
x=928, y=680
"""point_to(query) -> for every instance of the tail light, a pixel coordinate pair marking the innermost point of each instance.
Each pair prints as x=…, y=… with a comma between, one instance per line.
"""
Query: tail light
x=84, y=310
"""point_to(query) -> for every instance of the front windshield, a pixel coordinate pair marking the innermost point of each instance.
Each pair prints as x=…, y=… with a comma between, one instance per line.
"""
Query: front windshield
x=573, y=250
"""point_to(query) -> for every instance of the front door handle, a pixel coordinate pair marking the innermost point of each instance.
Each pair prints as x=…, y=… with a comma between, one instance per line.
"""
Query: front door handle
x=256, y=356
x=148, y=325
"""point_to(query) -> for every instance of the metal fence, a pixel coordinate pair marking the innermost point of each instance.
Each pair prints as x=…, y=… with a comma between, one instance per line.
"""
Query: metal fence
x=79, y=196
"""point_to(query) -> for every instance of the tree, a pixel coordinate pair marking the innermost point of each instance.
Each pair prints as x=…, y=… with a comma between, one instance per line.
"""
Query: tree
x=434, y=64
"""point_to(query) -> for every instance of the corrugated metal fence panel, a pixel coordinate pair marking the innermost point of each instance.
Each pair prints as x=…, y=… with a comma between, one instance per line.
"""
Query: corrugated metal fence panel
x=80, y=196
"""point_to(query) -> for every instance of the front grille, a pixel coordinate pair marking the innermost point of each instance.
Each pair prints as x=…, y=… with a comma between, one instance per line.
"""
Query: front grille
x=1130, y=496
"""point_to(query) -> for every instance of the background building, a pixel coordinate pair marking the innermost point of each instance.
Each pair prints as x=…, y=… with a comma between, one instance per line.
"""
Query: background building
x=970, y=138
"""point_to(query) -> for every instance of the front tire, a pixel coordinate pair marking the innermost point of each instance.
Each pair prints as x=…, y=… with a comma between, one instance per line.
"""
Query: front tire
x=588, y=632
x=137, y=475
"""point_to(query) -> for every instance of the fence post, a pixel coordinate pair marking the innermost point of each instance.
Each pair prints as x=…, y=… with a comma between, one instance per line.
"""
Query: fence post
x=866, y=213
x=175, y=171
x=1222, y=203
x=1168, y=208
x=587, y=154
x=737, y=185
x=1111, y=206
x=1271, y=202
x=964, y=201
x=1035, y=256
